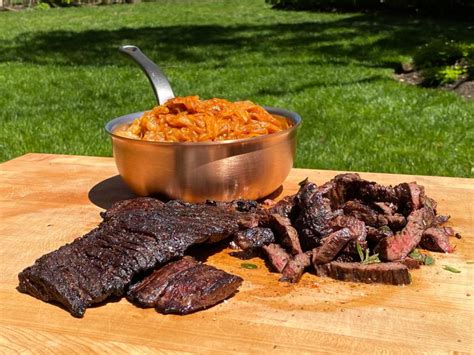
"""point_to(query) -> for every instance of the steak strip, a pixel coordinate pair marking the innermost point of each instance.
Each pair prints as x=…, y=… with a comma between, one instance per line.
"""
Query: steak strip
x=385, y=273
x=184, y=286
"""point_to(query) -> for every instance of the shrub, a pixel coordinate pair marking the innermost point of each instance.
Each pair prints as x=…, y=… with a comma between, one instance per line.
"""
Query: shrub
x=444, y=62
x=438, y=53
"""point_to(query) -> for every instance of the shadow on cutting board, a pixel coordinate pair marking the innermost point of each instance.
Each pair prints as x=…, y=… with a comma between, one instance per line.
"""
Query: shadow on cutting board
x=109, y=191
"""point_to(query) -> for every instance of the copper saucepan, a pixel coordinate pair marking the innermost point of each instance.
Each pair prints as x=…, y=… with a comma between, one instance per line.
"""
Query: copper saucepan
x=249, y=168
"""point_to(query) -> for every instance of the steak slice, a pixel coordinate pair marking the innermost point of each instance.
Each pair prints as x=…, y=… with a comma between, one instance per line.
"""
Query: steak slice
x=277, y=256
x=285, y=233
x=437, y=239
x=294, y=269
x=401, y=244
x=369, y=191
x=253, y=238
x=375, y=235
x=184, y=286
x=146, y=292
x=411, y=196
x=336, y=189
x=410, y=263
x=386, y=273
x=331, y=246
x=357, y=230
x=315, y=213
x=373, y=218
x=284, y=207
x=134, y=237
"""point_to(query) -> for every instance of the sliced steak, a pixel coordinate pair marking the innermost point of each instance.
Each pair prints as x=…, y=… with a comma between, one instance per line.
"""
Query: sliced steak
x=363, y=212
x=370, y=191
x=285, y=233
x=295, y=267
x=410, y=196
x=331, y=246
x=284, y=207
x=385, y=273
x=135, y=236
x=410, y=263
x=357, y=230
x=183, y=286
x=387, y=208
x=336, y=189
x=315, y=213
x=401, y=244
x=253, y=238
x=277, y=256
x=373, y=218
x=437, y=239
x=146, y=292
x=198, y=287
x=375, y=235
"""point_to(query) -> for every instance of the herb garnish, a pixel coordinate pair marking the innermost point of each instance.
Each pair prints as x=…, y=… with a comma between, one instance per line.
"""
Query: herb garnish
x=451, y=269
x=248, y=266
x=421, y=258
x=366, y=259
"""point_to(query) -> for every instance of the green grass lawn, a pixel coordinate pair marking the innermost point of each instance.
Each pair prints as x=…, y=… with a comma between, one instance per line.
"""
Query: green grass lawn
x=62, y=79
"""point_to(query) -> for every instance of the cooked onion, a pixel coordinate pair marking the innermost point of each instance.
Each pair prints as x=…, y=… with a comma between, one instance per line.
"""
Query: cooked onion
x=189, y=119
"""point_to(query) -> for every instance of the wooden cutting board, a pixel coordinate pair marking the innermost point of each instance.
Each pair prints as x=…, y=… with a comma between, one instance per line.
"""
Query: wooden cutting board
x=48, y=200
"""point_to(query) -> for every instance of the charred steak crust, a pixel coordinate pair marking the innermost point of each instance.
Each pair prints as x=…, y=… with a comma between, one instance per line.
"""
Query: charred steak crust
x=253, y=238
x=183, y=286
x=135, y=236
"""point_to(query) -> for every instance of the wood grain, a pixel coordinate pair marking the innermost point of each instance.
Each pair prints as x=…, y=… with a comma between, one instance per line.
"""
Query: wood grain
x=48, y=200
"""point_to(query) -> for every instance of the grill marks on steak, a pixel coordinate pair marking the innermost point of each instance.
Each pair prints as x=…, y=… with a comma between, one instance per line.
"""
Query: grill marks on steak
x=134, y=237
x=184, y=286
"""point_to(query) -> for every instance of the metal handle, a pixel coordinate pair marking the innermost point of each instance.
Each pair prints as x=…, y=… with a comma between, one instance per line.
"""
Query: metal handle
x=158, y=79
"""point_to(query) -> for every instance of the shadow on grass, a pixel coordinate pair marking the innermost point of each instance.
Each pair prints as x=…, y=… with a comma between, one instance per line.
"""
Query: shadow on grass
x=361, y=39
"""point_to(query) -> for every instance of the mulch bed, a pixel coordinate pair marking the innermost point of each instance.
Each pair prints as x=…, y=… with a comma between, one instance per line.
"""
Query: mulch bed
x=463, y=87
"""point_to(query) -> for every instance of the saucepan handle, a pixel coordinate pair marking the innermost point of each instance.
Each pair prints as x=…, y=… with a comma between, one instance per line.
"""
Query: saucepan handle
x=158, y=79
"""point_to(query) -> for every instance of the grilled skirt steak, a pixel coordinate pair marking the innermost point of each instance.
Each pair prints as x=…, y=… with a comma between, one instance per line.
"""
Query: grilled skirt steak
x=401, y=244
x=184, y=286
x=295, y=267
x=146, y=292
x=135, y=236
x=385, y=273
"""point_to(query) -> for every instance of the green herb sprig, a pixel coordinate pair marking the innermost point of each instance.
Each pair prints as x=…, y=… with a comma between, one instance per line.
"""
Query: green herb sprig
x=421, y=258
x=367, y=259
x=248, y=266
x=451, y=269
